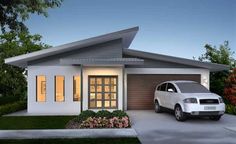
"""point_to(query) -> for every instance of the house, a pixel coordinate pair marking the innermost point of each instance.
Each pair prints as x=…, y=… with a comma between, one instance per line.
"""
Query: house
x=102, y=73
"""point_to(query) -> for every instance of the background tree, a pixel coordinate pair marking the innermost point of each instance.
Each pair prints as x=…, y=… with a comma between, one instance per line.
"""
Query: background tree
x=221, y=55
x=13, y=79
x=13, y=13
x=230, y=88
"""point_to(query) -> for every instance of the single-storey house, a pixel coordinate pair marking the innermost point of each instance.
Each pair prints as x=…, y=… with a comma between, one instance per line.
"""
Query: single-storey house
x=102, y=73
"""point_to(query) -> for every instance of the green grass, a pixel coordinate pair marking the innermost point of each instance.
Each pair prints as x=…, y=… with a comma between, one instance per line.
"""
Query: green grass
x=34, y=122
x=74, y=141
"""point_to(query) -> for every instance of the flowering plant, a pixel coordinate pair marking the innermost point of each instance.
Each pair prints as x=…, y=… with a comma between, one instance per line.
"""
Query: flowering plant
x=230, y=88
x=103, y=122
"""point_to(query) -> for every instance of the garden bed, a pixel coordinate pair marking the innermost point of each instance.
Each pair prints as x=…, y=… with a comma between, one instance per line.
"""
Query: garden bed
x=102, y=119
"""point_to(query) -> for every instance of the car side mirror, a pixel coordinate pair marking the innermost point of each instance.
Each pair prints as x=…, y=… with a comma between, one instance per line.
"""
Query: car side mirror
x=170, y=90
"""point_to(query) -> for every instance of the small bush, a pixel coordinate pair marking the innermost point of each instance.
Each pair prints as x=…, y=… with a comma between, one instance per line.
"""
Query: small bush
x=85, y=115
x=119, y=113
x=104, y=122
x=104, y=113
x=8, y=99
x=13, y=107
x=230, y=109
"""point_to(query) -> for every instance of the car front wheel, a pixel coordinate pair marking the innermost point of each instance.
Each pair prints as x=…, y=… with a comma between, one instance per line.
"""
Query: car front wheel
x=215, y=118
x=157, y=107
x=179, y=114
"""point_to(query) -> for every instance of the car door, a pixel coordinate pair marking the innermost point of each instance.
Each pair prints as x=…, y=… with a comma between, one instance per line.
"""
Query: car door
x=170, y=96
x=161, y=92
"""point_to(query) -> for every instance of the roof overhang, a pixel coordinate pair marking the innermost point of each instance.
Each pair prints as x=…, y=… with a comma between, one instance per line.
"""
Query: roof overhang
x=126, y=35
x=206, y=65
x=109, y=61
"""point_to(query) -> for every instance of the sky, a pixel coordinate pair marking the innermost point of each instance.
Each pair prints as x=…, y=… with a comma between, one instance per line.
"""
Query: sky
x=172, y=27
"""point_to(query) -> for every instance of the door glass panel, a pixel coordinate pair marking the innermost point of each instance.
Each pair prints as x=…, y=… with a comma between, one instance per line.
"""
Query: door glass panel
x=107, y=96
x=113, y=88
x=99, y=80
x=99, y=96
x=99, y=104
x=41, y=88
x=92, y=96
x=113, y=103
x=113, y=95
x=92, y=103
x=59, y=88
x=113, y=81
x=99, y=88
x=92, y=88
x=107, y=88
x=107, y=103
x=107, y=81
x=92, y=81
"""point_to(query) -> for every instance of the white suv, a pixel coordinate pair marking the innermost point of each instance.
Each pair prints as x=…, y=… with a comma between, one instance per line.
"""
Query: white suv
x=188, y=98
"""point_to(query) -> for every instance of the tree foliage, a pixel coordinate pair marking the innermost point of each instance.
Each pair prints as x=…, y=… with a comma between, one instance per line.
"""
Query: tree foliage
x=13, y=13
x=221, y=55
x=13, y=79
x=230, y=88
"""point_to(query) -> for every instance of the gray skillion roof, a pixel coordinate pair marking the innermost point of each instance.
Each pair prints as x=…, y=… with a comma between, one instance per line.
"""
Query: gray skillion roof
x=126, y=35
x=126, y=61
x=154, y=56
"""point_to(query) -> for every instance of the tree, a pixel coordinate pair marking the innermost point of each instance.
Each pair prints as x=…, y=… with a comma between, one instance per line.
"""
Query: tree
x=221, y=55
x=13, y=79
x=14, y=12
x=230, y=88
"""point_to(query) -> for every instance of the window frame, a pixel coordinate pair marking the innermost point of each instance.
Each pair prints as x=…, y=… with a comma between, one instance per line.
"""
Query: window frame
x=74, y=87
x=55, y=88
x=41, y=87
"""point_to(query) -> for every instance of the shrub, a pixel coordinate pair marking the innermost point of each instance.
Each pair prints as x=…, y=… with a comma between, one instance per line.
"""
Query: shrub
x=13, y=107
x=104, y=113
x=103, y=122
x=119, y=113
x=8, y=99
x=84, y=115
x=230, y=109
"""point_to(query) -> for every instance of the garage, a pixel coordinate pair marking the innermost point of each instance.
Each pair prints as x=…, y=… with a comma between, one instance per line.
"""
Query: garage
x=140, y=88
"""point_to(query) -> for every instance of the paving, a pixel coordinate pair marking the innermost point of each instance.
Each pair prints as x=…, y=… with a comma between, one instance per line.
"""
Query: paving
x=67, y=133
x=164, y=129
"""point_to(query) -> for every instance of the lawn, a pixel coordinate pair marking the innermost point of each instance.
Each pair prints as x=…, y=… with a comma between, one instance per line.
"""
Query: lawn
x=34, y=122
x=74, y=141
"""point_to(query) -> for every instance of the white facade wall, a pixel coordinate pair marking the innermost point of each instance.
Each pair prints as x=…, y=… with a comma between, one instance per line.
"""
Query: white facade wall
x=51, y=106
x=203, y=72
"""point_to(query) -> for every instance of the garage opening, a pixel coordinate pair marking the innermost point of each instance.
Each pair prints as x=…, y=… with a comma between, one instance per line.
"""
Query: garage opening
x=141, y=87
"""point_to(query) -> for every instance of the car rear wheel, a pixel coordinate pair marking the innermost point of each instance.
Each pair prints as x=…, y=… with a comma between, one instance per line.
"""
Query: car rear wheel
x=157, y=107
x=179, y=114
x=215, y=118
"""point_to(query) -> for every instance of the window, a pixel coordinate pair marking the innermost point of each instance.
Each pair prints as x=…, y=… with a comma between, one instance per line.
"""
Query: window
x=59, y=88
x=191, y=87
x=171, y=86
x=163, y=87
x=102, y=91
x=41, y=88
x=76, y=88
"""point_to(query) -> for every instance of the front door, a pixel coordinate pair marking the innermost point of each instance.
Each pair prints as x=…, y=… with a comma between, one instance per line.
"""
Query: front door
x=102, y=92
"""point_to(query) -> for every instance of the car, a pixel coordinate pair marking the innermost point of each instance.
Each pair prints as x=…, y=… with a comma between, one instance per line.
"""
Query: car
x=188, y=98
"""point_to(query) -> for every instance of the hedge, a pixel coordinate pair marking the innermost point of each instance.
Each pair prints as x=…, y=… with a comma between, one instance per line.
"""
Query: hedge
x=8, y=99
x=230, y=109
x=13, y=107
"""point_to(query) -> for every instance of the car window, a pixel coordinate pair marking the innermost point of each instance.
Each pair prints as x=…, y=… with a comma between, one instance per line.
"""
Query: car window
x=192, y=88
x=163, y=87
x=159, y=88
x=171, y=86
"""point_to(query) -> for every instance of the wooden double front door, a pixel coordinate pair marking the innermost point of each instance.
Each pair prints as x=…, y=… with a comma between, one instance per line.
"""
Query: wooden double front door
x=102, y=92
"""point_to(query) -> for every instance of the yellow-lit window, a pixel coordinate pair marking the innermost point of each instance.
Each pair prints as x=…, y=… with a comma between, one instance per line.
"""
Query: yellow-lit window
x=59, y=88
x=41, y=88
x=76, y=88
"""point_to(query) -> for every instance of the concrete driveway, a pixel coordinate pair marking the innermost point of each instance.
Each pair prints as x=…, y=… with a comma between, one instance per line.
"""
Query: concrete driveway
x=164, y=129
